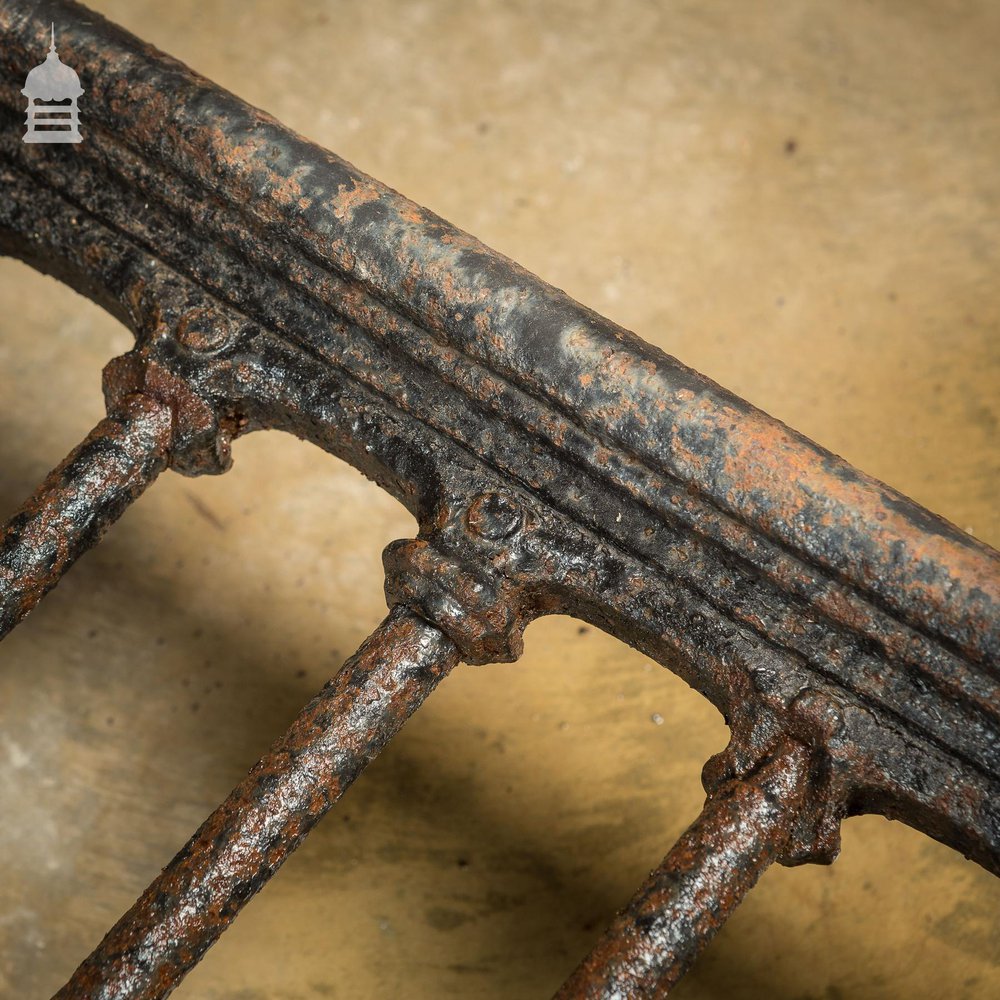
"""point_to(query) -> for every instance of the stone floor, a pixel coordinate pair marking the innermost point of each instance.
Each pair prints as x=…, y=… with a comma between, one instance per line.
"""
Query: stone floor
x=800, y=199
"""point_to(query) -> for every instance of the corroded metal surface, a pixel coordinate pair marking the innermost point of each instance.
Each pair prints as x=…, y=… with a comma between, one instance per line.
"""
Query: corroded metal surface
x=744, y=827
x=244, y=842
x=555, y=463
x=77, y=503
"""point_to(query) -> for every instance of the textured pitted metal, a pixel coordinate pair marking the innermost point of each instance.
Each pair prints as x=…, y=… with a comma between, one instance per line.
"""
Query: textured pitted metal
x=555, y=463
x=78, y=501
x=251, y=178
x=743, y=828
x=244, y=842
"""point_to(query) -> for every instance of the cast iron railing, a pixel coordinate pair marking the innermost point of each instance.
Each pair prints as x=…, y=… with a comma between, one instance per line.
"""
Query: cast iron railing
x=555, y=464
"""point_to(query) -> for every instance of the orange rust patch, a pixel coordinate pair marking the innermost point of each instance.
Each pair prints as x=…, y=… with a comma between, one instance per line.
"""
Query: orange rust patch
x=348, y=199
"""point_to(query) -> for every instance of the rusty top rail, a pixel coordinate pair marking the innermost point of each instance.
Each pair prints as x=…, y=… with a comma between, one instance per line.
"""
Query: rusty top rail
x=555, y=462
x=579, y=369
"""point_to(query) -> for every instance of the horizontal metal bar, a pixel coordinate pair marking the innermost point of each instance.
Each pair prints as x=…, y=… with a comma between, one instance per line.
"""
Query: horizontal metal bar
x=244, y=842
x=77, y=503
x=282, y=287
x=278, y=286
x=687, y=899
x=555, y=463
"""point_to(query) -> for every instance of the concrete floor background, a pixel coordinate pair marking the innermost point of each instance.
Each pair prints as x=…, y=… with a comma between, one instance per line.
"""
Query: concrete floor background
x=801, y=200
